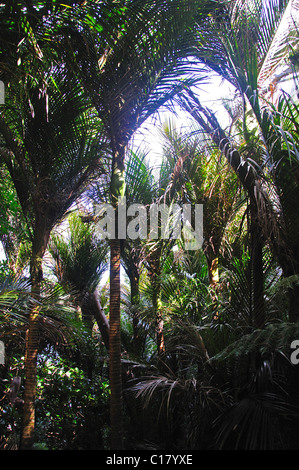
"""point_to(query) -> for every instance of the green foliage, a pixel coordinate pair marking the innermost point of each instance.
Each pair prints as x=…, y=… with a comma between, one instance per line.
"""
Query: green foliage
x=80, y=259
x=80, y=78
x=72, y=409
x=9, y=205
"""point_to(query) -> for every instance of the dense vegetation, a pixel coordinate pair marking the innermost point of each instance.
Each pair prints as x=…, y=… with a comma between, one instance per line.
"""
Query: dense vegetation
x=141, y=343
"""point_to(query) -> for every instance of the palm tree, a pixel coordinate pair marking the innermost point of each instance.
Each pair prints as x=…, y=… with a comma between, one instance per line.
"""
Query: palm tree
x=127, y=56
x=263, y=156
x=243, y=42
x=155, y=252
x=251, y=155
x=79, y=263
x=200, y=176
x=140, y=188
x=53, y=146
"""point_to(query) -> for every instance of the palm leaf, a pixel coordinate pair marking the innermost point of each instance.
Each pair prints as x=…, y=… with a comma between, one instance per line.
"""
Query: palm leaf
x=129, y=70
x=60, y=124
x=79, y=258
x=275, y=337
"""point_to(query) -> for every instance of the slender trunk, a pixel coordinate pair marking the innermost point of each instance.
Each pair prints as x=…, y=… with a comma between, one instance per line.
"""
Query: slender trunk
x=154, y=273
x=294, y=304
x=101, y=319
x=135, y=299
x=92, y=310
x=257, y=269
x=159, y=320
x=32, y=342
x=248, y=180
x=213, y=272
x=117, y=190
x=160, y=335
x=116, y=419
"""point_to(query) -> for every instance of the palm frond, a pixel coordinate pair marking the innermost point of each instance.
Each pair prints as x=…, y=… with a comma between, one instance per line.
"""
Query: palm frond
x=274, y=338
x=79, y=258
x=15, y=298
x=278, y=37
x=263, y=412
x=130, y=71
x=59, y=123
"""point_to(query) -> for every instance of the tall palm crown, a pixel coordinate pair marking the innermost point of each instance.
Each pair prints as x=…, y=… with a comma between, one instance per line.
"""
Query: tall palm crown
x=125, y=61
x=59, y=146
x=127, y=54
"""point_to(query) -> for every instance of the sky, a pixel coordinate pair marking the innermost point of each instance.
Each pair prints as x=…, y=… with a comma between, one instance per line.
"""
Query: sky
x=149, y=136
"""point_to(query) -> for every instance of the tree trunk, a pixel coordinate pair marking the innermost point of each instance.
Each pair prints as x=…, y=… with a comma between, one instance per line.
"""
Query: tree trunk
x=248, y=180
x=154, y=274
x=100, y=317
x=32, y=342
x=117, y=191
x=257, y=269
x=135, y=299
x=213, y=272
x=160, y=335
x=116, y=419
x=159, y=319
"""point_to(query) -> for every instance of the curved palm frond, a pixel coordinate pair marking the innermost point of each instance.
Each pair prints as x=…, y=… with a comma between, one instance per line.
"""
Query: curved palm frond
x=56, y=320
x=80, y=259
x=129, y=70
x=61, y=126
x=274, y=338
x=15, y=299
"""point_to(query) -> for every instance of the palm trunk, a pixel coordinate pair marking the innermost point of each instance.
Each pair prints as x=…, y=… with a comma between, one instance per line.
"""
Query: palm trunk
x=117, y=189
x=135, y=299
x=247, y=178
x=91, y=309
x=257, y=268
x=116, y=419
x=160, y=336
x=213, y=271
x=27, y=438
x=100, y=317
x=159, y=320
x=32, y=342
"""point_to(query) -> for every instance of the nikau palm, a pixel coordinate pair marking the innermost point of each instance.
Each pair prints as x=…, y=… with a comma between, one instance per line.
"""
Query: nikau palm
x=79, y=263
x=128, y=55
x=56, y=154
x=200, y=177
x=241, y=37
